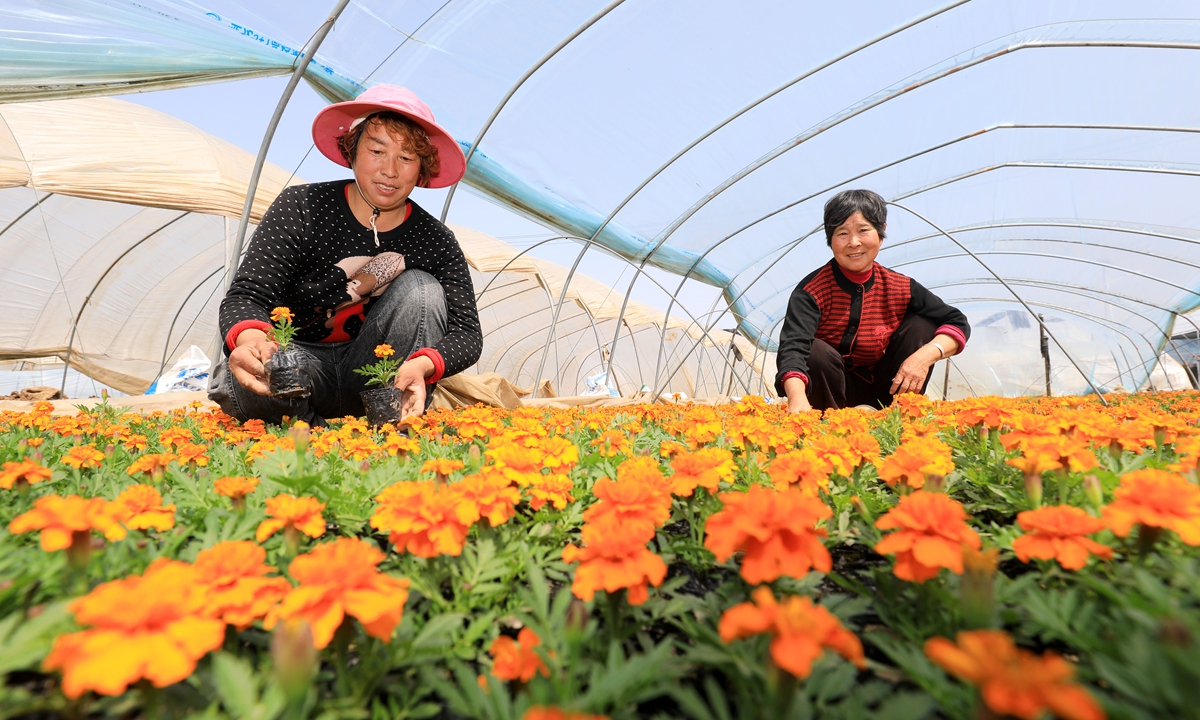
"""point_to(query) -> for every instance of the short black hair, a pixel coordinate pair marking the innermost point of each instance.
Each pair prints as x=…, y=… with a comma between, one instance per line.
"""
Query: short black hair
x=841, y=206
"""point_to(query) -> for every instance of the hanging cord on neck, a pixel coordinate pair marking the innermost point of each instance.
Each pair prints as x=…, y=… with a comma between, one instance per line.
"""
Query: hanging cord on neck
x=374, y=214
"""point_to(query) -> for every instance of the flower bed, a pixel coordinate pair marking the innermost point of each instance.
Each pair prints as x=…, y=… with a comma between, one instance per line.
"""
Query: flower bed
x=969, y=559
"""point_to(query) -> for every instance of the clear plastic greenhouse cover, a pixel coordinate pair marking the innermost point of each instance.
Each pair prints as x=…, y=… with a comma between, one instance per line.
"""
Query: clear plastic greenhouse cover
x=1058, y=142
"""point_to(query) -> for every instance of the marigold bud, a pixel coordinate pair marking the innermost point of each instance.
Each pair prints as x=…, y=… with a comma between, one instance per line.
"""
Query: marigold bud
x=1033, y=489
x=295, y=657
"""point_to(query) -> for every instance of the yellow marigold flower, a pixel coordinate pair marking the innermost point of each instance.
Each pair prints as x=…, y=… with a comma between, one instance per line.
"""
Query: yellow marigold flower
x=235, y=576
x=149, y=627
x=340, y=578
x=299, y=514
x=150, y=463
x=25, y=471
x=802, y=630
x=140, y=507
x=705, y=468
x=235, y=486
x=282, y=314
x=64, y=520
x=83, y=457
x=1155, y=499
x=384, y=351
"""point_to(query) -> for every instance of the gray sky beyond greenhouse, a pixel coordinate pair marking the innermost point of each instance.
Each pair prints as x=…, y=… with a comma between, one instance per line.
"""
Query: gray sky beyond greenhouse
x=1059, y=141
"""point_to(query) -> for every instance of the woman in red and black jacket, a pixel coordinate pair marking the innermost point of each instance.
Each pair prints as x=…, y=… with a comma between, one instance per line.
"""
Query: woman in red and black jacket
x=855, y=332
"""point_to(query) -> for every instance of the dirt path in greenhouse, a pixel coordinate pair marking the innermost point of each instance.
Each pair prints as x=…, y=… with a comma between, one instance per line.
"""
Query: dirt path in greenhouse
x=137, y=403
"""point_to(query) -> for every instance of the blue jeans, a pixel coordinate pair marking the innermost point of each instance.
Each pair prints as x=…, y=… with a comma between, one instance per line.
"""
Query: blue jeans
x=410, y=315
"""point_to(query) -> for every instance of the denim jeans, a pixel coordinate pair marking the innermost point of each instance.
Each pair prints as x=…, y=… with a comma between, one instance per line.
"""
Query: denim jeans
x=410, y=315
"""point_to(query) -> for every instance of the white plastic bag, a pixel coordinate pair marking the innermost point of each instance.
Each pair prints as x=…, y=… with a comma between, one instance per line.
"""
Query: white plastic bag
x=188, y=374
x=598, y=385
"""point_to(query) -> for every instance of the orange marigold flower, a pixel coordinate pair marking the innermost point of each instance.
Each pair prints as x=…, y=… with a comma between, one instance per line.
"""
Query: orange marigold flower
x=554, y=489
x=777, y=530
x=489, y=495
x=863, y=448
x=340, y=578
x=140, y=507
x=82, y=457
x=540, y=712
x=423, y=518
x=235, y=486
x=1012, y=680
x=521, y=465
x=516, y=659
x=932, y=531
x=559, y=454
x=150, y=463
x=174, y=436
x=915, y=460
x=836, y=451
x=704, y=468
x=25, y=471
x=235, y=575
x=302, y=514
x=135, y=443
x=803, y=466
x=613, y=559
x=802, y=630
x=384, y=351
x=36, y=442
x=442, y=466
x=669, y=448
x=1155, y=498
x=395, y=444
x=638, y=506
x=192, y=453
x=477, y=422
x=63, y=519
x=1058, y=533
x=149, y=627
x=281, y=314
x=611, y=443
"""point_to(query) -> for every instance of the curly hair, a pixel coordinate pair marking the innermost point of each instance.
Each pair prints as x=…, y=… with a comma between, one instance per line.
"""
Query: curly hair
x=413, y=135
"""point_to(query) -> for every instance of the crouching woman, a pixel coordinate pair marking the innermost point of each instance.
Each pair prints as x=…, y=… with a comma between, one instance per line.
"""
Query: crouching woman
x=857, y=333
x=359, y=264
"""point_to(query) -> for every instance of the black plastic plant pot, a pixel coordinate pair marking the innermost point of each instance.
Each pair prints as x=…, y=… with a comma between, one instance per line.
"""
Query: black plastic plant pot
x=382, y=405
x=287, y=373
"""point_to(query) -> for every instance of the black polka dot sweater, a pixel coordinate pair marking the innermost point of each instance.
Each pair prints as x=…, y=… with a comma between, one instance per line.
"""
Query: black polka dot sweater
x=307, y=247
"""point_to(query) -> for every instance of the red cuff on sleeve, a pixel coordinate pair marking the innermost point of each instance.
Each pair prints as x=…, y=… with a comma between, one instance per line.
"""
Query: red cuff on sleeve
x=792, y=374
x=439, y=364
x=954, y=333
x=232, y=336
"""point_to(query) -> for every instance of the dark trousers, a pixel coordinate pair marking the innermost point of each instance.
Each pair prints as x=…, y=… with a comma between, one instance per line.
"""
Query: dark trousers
x=410, y=315
x=833, y=385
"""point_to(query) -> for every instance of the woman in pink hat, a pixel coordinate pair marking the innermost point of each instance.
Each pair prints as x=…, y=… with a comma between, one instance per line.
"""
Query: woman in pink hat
x=359, y=264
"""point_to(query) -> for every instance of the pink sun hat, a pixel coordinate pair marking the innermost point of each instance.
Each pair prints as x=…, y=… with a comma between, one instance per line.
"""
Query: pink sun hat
x=337, y=119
